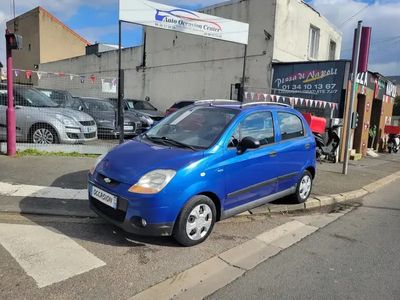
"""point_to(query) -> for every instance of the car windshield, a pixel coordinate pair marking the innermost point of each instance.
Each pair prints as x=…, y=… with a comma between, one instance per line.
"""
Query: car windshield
x=32, y=97
x=139, y=104
x=193, y=127
x=98, y=105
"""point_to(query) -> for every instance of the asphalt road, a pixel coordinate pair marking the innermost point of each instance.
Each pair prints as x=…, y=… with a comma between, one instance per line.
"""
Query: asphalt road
x=355, y=257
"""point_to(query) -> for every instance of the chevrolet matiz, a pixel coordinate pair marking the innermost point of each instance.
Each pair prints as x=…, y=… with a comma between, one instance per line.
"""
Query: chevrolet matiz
x=202, y=164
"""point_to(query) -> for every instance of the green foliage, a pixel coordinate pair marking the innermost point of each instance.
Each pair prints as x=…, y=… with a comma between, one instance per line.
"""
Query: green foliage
x=35, y=152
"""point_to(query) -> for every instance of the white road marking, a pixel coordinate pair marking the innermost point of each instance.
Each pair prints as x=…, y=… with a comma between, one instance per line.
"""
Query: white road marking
x=202, y=280
x=24, y=190
x=45, y=254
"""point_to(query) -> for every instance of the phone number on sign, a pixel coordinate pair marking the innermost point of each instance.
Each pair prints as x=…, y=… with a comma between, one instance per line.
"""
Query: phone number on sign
x=329, y=88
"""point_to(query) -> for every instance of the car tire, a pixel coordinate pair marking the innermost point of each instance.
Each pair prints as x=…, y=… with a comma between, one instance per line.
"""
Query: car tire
x=303, y=188
x=395, y=150
x=40, y=133
x=195, y=222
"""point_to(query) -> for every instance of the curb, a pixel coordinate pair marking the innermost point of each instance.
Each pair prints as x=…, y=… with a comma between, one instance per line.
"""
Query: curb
x=319, y=201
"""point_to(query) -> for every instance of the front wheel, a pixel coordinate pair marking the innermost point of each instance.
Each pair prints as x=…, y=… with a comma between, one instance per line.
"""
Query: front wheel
x=304, y=187
x=196, y=221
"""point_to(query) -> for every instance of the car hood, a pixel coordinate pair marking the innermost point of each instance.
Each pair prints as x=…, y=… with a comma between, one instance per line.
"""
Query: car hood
x=70, y=113
x=111, y=116
x=130, y=161
x=151, y=113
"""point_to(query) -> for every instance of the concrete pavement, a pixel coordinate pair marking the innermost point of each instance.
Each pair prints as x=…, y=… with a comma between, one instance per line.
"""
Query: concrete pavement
x=356, y=258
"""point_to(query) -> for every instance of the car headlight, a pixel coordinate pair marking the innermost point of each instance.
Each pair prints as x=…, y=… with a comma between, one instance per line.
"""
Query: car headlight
x=67, y=121
x=98, y=160
x=104, y=121
x=153, y=182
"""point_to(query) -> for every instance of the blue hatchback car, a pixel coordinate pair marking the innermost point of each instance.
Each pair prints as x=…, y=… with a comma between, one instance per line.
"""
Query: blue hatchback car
x=204, y=163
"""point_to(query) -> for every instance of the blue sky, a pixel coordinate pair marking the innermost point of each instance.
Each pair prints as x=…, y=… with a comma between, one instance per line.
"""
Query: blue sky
x=97, y=21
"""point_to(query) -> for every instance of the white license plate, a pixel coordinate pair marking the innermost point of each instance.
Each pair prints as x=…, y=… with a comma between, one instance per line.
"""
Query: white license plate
x=89, y=129
x=104, y=197
x=128, y=127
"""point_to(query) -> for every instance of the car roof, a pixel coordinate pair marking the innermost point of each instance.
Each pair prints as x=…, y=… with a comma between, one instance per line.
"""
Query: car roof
x=243, y=106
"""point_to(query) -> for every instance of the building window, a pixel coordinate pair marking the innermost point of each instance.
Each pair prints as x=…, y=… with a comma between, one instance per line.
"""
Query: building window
x=313, y=43
x=332, y=50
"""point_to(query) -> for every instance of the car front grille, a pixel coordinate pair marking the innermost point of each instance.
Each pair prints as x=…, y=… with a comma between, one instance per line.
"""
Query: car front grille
x=114, y=214
x=90, y=135
x=88, y=123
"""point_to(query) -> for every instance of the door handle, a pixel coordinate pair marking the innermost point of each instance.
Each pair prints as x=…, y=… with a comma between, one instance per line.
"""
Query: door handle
x=273, y=154
x=307, y=146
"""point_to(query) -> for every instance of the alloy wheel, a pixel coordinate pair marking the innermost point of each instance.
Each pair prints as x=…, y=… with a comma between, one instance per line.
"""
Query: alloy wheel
x=305, y=187
x=43, y=136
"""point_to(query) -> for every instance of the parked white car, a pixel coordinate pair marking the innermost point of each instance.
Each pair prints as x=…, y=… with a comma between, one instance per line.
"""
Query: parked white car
x=40, y=120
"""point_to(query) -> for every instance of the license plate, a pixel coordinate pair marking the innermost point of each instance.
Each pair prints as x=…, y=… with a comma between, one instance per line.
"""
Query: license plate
x=128, y=127
x=104, y=197
x=89, y=129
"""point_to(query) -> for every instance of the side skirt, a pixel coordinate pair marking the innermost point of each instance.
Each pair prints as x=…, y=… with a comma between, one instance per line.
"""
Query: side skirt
x=244, y=207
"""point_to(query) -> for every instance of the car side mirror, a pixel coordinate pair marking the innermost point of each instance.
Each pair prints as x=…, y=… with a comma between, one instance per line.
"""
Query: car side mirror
x=80, y=108
x=247, y=143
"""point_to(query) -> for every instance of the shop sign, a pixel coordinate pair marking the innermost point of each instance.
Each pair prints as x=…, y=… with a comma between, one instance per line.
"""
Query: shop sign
x=167, y=17
x=391, y=89
x=311, y=80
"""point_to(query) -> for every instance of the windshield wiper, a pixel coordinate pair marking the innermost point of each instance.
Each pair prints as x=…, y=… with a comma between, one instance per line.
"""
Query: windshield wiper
x=166, y=140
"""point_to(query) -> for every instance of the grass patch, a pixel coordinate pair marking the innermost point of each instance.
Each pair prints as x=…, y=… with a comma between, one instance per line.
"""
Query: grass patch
x=35, y=152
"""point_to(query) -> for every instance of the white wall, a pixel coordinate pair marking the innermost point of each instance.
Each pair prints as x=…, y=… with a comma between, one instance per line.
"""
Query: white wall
x=292, y=25
x=181, y=66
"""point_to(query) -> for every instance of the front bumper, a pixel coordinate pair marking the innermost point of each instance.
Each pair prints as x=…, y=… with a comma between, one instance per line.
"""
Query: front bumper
x=77, y=135
x=132, y=225
x=128, y=216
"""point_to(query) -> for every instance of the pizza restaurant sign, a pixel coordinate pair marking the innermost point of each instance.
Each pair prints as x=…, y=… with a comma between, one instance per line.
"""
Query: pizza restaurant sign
x=167, y=17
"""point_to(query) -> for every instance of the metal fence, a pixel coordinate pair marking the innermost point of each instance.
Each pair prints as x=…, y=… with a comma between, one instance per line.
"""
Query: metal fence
x=67, y=112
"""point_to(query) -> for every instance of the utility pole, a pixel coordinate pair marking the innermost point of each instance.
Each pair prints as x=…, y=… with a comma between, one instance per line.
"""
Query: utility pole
x=349, y=114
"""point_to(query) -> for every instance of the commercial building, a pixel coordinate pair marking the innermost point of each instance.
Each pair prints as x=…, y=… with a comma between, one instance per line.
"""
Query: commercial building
x=45, y=39
x=170, y=66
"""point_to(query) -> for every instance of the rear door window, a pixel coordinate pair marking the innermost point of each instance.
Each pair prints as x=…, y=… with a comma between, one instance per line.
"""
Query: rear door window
x=290, y=126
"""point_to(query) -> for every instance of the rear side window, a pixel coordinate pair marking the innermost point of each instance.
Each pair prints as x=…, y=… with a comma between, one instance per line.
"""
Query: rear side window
x=290, y=126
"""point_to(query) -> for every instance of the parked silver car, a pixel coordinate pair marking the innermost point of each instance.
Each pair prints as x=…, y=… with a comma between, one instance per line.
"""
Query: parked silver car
x=39, y=120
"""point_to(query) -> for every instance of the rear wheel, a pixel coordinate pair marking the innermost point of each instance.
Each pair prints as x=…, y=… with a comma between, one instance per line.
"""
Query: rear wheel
x=43, y=134
x=304, y=187
x=196, y=221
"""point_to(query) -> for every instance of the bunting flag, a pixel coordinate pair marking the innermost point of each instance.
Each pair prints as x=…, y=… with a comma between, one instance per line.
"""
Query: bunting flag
x=114, y=81
x=296, y=100
x=291, y=100
x=252, y=95
x=82, y=79
x=71, y=77
x=246, y=94
x=60, y=74
x=39, y=74
x=28, y=74
x=301, y=101
x=259, y=96
x=278, y=98
x=311, y=102
x=16, y=73
x=265, y=97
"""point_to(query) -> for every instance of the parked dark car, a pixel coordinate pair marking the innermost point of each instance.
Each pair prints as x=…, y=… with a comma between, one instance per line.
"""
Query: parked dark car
x=105, y=115
x=144, y=107
x=146, y=120
x=178, y=105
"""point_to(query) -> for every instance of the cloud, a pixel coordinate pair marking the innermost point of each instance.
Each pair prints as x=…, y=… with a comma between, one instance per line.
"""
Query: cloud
x=382, y=16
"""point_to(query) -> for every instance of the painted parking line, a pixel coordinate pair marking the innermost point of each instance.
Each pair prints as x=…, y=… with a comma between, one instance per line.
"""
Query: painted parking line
x=209, y=276
x=45, y=254
x=37, y=191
